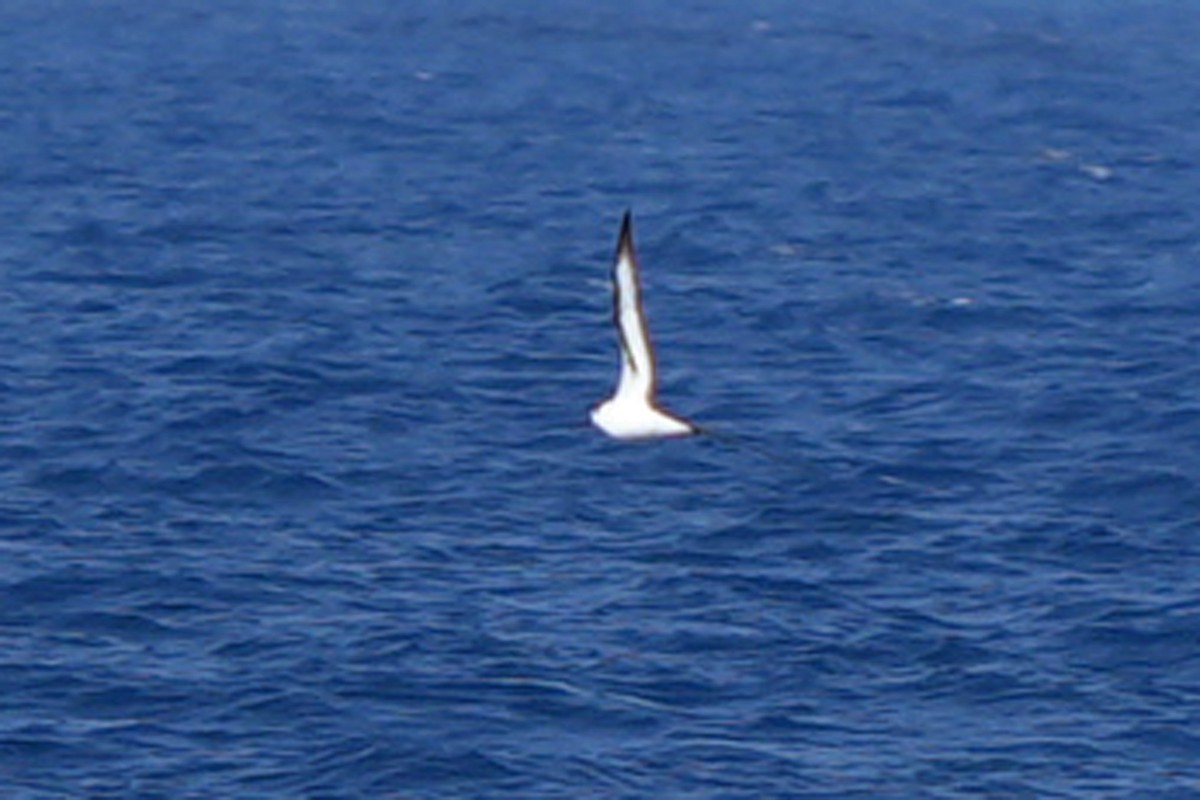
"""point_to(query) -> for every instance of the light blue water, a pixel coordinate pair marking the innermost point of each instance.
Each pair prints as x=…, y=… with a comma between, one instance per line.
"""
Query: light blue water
x=304, y=305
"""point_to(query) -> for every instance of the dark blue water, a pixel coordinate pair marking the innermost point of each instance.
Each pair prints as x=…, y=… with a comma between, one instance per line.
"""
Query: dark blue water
x=304, y=305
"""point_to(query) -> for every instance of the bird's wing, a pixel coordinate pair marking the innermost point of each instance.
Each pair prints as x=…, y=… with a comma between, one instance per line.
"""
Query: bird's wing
x=637, y=354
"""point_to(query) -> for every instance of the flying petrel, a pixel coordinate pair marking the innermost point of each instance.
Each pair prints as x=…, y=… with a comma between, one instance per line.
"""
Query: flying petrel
x=633, y=411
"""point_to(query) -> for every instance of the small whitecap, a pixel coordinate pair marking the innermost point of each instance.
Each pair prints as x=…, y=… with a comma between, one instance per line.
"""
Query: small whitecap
x=1055, y=154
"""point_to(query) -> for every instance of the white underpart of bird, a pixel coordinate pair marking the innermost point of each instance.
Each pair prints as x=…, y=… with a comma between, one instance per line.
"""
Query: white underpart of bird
x=633, y=411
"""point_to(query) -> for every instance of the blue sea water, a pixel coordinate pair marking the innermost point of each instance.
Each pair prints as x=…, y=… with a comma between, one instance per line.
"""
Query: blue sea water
x=304, y=305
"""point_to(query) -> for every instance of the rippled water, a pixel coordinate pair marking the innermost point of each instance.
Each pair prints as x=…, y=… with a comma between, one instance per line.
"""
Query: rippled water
x=304, y=305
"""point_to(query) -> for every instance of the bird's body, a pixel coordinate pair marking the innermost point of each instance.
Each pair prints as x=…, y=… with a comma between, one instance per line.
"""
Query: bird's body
x=633, y=411
x=634, y=418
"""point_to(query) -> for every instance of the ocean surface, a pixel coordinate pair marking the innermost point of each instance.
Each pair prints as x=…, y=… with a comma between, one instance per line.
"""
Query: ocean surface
x=305, y=302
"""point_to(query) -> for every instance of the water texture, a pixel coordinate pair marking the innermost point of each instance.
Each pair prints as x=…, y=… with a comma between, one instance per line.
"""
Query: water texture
x=304, y=305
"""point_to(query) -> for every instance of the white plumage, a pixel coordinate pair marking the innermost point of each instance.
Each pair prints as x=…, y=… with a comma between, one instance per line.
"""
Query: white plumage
x=633, y=411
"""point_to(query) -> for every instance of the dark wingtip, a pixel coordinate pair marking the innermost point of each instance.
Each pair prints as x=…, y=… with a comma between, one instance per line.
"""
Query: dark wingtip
x=626, y=240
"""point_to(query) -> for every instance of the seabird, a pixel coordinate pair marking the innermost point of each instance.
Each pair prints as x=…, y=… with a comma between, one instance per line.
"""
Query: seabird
x=633, y=411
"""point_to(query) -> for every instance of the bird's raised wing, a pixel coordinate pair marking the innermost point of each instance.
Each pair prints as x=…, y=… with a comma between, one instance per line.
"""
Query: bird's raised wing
x=637, y=354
